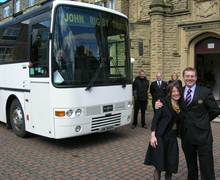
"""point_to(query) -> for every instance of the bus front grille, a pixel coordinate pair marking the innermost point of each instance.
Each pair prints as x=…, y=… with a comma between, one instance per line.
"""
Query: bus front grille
x=106, y=122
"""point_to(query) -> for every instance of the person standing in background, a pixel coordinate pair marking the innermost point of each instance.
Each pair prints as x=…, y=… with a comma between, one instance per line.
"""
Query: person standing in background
x=158, y=89
x=175, y=77
x=140, y=93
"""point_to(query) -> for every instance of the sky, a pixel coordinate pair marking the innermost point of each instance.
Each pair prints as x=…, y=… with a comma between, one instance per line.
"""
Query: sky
x=2, y=1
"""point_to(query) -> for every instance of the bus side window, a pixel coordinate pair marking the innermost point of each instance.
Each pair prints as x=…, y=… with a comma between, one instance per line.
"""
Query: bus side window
x=14, y=43
x=39, y=65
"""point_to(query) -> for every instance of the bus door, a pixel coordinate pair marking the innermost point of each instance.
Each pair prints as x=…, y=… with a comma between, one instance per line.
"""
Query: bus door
x=39, y=78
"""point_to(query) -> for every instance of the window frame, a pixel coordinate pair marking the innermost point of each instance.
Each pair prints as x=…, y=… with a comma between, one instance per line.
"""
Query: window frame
x=17, y=6
x=127, y=62
x=6, y=11
x=41, y=18
x=141, y=48
x=29, y=18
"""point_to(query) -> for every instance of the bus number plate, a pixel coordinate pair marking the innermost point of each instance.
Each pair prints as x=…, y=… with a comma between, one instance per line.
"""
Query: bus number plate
x=108, y=128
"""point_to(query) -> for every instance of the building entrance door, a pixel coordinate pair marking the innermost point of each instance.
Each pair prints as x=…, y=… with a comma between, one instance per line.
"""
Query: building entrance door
x=207, y=62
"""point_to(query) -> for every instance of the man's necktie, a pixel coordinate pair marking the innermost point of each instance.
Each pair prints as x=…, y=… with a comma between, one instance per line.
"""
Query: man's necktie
x=188, y=97
x=158, y=82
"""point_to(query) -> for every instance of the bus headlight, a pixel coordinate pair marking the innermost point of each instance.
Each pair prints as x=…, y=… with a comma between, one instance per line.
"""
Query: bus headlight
x=78, y=112
x=78, y=128
x=69, y=112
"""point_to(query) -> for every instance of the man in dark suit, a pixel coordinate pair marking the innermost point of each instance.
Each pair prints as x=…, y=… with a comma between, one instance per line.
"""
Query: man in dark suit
x=140, y=92
x=158, y=89
x=199, y=109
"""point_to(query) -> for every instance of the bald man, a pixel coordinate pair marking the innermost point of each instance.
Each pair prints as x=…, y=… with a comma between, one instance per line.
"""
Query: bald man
x=158, y=89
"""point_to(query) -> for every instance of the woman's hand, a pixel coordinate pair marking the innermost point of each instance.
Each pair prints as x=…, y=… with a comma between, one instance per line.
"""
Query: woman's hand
x=153, y=140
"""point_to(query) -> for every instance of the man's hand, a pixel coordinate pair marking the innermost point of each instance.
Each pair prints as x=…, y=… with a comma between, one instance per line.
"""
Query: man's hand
x=153, y=140
x=158, y=104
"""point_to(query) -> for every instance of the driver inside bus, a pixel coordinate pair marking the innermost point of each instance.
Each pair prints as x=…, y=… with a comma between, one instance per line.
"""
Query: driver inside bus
x=60, y=60
x=85, y=63
x=60, y=67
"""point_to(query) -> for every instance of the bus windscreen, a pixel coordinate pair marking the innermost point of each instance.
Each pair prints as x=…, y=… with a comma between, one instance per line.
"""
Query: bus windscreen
x=88, y=43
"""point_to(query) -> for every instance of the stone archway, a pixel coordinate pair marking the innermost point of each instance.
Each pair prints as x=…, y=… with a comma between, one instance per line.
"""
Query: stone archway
x=192, y=43
x=204, y=55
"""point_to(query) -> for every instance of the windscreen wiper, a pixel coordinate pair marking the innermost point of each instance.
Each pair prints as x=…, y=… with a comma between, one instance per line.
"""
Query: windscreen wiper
x=94, y=78
x=118, y=71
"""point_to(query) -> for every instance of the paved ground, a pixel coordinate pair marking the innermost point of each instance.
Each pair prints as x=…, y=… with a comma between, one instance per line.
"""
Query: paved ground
x=112, y=155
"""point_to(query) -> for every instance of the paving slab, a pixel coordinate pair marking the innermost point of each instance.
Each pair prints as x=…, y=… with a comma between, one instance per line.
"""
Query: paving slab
x=118, y=154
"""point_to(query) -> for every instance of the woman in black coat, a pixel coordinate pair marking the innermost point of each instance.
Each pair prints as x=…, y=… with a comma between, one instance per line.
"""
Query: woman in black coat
x=163, y=152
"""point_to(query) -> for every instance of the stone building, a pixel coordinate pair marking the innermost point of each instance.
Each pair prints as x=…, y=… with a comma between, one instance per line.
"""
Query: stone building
x=180, y=34
x=169, y=35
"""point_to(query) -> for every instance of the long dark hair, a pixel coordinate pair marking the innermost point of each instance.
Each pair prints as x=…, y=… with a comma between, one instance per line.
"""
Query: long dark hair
x=171, y=86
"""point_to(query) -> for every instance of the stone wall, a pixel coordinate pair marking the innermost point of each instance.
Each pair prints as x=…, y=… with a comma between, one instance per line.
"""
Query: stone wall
x=171, y=58
x=169, y=47
x=178, y=5
x=124, y=7
x=144, y=8
x=140, y=33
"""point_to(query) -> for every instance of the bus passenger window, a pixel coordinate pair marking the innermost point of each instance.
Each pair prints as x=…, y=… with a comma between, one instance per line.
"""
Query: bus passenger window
x=39, y=65
x=14, y=43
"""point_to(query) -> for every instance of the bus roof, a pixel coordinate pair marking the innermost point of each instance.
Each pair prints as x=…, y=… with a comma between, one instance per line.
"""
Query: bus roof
x=48, y=5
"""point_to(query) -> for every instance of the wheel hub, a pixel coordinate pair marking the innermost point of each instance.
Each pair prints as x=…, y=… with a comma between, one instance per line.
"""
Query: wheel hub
x=17, y=118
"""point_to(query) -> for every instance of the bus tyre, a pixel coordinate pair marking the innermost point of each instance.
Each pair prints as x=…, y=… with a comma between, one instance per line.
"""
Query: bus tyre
x=17, y=119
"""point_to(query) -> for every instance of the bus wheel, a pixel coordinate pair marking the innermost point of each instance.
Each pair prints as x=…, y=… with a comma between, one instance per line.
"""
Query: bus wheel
x=17, y=119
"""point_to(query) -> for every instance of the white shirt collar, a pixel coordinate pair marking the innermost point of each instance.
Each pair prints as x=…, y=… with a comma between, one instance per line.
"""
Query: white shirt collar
x=192, y=88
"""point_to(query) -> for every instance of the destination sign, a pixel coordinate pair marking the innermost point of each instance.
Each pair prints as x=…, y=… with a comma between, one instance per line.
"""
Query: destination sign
x=83, y=20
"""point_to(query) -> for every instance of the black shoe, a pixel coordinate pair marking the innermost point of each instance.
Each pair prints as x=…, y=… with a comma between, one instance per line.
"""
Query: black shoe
x=133, y=127
x=145, y=126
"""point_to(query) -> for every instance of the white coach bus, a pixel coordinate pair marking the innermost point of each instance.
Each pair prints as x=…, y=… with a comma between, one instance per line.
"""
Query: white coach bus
x=65, y=70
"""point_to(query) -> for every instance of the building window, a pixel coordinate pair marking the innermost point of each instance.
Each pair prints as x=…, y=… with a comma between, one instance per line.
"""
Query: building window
x=17, y=6
x=30, y=3
x=111, y=4
x=6, y=11
x=141, y=48
x=106, y=3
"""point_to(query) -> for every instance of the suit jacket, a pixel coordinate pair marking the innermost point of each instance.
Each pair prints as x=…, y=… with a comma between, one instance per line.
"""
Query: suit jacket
x=140, y=89
x=158, y=92
x=162, y=120
x=197, y=116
